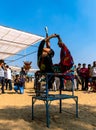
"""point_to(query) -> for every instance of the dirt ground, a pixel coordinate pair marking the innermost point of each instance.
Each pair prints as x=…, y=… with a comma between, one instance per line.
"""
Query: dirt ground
x=16, y=112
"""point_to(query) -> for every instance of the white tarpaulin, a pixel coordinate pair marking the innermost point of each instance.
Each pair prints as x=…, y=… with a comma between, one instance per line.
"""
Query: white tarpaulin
x=12, y=41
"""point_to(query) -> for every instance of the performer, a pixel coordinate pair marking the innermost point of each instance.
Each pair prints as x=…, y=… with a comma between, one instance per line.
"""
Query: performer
x=66, y=59
x=46, y=54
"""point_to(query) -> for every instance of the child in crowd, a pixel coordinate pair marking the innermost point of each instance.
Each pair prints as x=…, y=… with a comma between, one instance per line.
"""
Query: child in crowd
x=19, y=84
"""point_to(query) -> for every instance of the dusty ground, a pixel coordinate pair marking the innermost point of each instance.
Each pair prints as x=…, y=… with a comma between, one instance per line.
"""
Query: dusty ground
x=16, y=109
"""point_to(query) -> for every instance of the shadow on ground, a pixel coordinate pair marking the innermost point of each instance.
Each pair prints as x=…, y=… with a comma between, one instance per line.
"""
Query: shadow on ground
x=87, y=116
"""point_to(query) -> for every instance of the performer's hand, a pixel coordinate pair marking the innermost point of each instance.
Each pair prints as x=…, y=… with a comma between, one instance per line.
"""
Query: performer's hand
x=57, y=35
x=49, y=37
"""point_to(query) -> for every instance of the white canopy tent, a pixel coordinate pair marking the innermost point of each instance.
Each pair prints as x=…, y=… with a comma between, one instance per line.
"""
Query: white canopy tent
x=12, y=41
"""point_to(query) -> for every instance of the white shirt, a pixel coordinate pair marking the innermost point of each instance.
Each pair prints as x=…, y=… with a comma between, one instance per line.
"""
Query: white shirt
x=5, y=74
x=9, y=74
x=94, y=72
x=1, y=72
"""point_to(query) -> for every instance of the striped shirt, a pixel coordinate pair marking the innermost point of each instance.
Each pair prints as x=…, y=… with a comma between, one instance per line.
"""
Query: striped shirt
x=1, y=72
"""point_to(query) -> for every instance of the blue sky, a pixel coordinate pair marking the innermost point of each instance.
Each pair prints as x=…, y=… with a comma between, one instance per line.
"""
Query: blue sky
x=73, y=20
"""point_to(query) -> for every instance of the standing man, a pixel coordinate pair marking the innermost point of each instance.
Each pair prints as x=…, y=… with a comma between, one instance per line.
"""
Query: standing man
x=9, y=78
x=93, y=72
x=23, y=74
x=78, y=72
x=84, y=77
x=2, y=79
x=66, y=59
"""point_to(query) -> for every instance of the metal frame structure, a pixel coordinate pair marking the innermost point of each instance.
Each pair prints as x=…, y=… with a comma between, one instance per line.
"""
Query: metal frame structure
x=47, y=98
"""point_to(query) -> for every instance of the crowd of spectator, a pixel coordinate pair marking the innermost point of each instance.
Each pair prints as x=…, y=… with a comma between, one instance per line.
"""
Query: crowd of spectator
x=87, y=74
x=7, y=81
x=84, y=76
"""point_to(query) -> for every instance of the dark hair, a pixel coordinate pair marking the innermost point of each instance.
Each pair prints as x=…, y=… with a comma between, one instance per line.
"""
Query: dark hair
x=84, y=64
x=17, y=75
x=89, y=64
x=40, y=49
x=1, y=61
x=7, y=66
x=51, y=53
x=79, y=63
